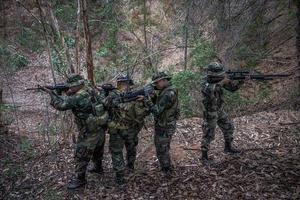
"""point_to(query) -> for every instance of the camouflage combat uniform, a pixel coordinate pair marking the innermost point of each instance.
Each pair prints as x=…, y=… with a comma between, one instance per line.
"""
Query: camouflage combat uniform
x=214, y=114
x=89, y=119
x=165, y=110
x=127, y=121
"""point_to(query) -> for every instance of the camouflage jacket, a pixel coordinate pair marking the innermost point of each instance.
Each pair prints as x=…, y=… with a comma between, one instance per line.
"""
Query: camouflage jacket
x=85, y=109
x=213, y=94
x=125, y=115
x=165, y=109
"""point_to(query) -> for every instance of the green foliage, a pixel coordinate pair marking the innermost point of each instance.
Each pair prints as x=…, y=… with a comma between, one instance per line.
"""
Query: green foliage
x=13, y=171
x=6, y=110
x=264, y=91
x=58, y=62
x=185, y=82
x=234, y=100
x=251, y=57
x=203, y=53
x=66, y=12
x=70, y=41
x=26, y=146
x=12, y=60
x=30, y=40
x=19, y=61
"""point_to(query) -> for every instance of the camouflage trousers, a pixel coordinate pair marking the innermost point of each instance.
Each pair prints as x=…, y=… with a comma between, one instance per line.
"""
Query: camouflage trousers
x=162, y=141
x=211, y=120
x=89, y=143
x=120, y=138
x=98, y=152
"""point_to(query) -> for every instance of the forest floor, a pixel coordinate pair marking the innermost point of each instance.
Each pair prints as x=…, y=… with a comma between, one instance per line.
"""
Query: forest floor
x=34, y=167
x=268, y=168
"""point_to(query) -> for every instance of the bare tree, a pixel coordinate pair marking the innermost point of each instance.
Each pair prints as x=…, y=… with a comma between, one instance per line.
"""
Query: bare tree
x=89, y=56
x=77, y=37
x=186, y=33
x=43, y=21
x=149, y=64
x=298, y=38
x=61, y=37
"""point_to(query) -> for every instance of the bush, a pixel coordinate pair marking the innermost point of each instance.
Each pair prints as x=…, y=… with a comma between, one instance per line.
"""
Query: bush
x=203, y=53
x=234, y=101
x=30, y=40
x=186, y=82
x=12, y=60
x=251, y=58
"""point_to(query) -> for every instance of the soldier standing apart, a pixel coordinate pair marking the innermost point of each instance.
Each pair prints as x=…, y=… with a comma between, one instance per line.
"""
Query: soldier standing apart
x=165, y=110
x=89, y=118
x=214, y=114
x=127, y=121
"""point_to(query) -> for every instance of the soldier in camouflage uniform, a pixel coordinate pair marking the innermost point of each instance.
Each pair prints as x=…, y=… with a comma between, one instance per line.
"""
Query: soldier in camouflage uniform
x=214, y=114
x=128, y=120
x=165, y=110
x=89, y=118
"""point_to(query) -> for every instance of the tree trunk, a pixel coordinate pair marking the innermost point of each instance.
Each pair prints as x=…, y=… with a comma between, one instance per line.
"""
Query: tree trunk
x=3, y=128
x=77, y=37
x=87, y=36
x=149, y=64
x=61, y=37
x=186, y=34
x=298, y=39
x=43, y=21
x=3, y=23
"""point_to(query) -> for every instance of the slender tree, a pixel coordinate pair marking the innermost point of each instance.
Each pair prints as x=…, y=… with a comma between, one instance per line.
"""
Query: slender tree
x=87, y=35
x=43, y=22
x=298, y=38
x=60, y=35
x=77, y=36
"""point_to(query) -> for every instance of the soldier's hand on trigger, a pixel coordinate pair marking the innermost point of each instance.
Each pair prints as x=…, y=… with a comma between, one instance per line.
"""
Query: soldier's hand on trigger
x=225, y=80
x=46, y=90
x=247, y=78
x=140, y=98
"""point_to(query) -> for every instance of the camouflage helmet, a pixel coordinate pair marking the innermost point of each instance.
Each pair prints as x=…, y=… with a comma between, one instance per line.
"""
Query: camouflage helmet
x=125, y=78
x=215, y=68
x=75, y=80
x=159, y=76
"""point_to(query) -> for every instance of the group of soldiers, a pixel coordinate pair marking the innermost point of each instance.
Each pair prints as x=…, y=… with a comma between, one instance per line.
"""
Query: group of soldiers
x=97, y=113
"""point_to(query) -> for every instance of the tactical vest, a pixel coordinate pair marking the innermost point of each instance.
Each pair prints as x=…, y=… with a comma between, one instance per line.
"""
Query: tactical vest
x=88, y=110
x=128, y=114
x=169, y=116
x=213, y=97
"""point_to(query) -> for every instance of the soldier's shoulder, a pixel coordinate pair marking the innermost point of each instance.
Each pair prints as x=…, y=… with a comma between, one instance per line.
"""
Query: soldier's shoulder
x=207, y=87
x=82, y=94
x=171, y=92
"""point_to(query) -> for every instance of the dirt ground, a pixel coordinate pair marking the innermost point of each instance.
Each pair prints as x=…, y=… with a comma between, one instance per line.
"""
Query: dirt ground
x=268, y=168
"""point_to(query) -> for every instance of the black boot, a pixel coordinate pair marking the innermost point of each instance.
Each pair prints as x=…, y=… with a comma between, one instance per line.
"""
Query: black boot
x=119, y=179
x=204, y=158
x=130, y=167
x=168, y=171
x=77, y=182
x=229, y=149
x=95, y=168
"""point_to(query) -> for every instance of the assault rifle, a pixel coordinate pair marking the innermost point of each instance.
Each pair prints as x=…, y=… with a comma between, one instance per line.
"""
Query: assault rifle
x=134, y=95
x=59, y=88
x=242, y=75
x=106, y=87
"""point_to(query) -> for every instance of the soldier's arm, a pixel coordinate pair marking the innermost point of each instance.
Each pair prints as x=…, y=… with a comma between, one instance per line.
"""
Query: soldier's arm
x=165, y=102
x=233, y=86
x=63, y=103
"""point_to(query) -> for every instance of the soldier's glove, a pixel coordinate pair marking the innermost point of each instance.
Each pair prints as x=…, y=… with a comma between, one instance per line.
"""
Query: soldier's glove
x=148, y=102
x=148, y=90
